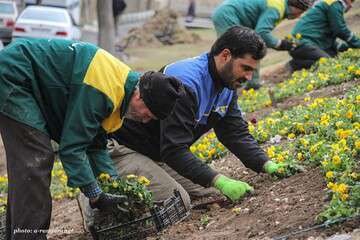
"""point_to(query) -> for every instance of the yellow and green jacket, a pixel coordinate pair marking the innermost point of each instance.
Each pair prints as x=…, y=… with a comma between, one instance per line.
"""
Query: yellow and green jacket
x=321, y=25
x=261, y=15
x=72, y=91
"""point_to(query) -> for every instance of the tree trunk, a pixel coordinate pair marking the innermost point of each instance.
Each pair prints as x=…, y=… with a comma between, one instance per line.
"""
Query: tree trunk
x=106, y=38
x=148, y=4
x=21, y=5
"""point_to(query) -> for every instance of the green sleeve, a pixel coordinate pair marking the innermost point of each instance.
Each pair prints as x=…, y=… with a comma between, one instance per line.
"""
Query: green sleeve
x=266, y=23
x=87, y=108
x=339, y=27
x=99, y=158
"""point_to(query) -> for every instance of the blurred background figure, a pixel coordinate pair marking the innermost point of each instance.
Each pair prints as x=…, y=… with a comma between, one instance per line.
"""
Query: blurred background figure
x=323, y=33
x=118, y=8
x=191, y=11
x=262, y=16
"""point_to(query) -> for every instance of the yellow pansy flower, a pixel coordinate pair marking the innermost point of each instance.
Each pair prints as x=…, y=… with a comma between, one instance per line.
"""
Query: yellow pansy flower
x=143, y=180
x=336, y=160
x=351, y=68
x=104, y=177
x=115, y=184
x=310, y=87
x=342, y=188
x=291, y=136
x=193, y=148
x=344, y=197
x=357, y=144
x=329, y=174
x=349, y=114
x=322, y=60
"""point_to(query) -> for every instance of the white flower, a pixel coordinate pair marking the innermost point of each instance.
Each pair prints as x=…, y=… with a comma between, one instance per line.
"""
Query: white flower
x=275, y=139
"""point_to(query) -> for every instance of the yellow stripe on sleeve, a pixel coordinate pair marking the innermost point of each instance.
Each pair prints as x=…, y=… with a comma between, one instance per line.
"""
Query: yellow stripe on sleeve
x=108, y=75
x=278, y=5
x=329, y=2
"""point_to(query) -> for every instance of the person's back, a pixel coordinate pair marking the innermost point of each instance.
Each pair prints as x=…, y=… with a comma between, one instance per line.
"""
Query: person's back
x=241, y=12
x=315, y=26
x=319, y=29
x=260, y=15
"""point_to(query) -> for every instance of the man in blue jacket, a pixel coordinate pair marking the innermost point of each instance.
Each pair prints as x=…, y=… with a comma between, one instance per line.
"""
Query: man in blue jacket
x=262, y=16
x=210, y=102
x=319, y=29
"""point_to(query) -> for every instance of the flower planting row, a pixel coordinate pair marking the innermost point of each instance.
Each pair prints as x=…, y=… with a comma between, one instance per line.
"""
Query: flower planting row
x=324, y=132
x=329, y=71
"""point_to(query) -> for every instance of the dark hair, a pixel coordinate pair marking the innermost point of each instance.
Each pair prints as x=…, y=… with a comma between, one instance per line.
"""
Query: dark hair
x=301, y=4
x=240, y=41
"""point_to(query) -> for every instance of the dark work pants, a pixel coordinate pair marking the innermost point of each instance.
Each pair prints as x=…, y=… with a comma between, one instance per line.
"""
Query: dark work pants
x=29, y=162
x=305, y=56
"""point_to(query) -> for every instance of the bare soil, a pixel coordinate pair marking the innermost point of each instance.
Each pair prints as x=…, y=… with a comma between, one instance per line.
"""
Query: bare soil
x=276, y=208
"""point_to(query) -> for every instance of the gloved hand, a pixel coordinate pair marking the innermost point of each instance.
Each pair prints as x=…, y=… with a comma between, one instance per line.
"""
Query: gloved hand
x=342, y=47
x=231, y=188
x=270, y=167
x=287, y=45
x=108, y=202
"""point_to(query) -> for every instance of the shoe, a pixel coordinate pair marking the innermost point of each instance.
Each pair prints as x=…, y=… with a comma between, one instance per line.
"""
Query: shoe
x=189, y=19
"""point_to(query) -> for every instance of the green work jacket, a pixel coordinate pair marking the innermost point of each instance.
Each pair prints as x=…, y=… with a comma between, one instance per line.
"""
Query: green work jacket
x=322, y=24
x=72, y=91
x=261, y=15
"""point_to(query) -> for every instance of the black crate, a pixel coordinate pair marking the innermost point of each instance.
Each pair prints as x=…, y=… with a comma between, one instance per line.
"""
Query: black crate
x=160, y=217
x=3, y=224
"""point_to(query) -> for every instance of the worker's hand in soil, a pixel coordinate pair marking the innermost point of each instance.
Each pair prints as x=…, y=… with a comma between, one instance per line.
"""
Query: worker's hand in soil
x=231, y=188
x=271, y=167
x=287, y=45
x=108, y=202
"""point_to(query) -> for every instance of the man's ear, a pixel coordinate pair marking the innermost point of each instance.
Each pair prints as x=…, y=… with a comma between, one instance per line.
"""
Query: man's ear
x=136, y=94
x=225, y=55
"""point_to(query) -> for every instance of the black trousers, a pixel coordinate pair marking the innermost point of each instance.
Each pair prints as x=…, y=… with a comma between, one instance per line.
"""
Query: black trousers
x=29, y=163
x=305, y=56
x=191, y=9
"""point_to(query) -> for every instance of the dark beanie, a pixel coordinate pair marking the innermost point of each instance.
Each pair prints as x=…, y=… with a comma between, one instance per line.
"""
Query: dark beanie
x=160, y=92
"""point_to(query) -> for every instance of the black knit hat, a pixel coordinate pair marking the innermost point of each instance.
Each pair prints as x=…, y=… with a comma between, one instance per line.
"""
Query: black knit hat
x=160, y=92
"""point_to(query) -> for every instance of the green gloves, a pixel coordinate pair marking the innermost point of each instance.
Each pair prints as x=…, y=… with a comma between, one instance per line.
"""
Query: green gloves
x=270, y=167
x=233, y=189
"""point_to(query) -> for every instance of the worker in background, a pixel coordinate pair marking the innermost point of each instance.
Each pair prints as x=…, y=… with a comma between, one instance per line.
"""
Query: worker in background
x=319, y=32
x=262, y=16
x=119, y=7
x=190, y=16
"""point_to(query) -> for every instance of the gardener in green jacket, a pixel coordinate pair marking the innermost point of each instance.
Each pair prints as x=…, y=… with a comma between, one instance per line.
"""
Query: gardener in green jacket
x=319, y=29
x=73, y=93
x=262, y=16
